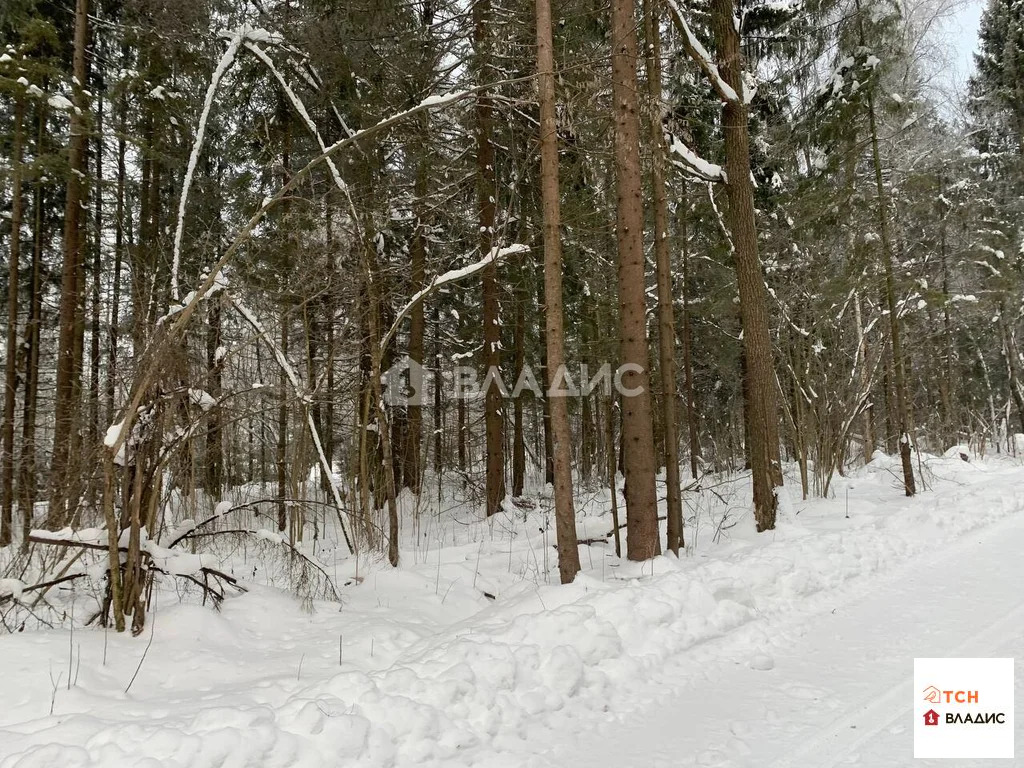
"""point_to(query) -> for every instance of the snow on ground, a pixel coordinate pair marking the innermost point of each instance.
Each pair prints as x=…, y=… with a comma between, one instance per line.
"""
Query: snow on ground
x=751, y=648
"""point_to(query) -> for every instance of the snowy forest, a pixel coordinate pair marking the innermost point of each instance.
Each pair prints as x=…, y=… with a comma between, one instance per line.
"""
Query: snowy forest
x=371, y=317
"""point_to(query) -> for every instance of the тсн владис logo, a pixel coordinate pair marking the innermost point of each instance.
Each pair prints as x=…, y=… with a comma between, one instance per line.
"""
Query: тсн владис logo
x=970, y=714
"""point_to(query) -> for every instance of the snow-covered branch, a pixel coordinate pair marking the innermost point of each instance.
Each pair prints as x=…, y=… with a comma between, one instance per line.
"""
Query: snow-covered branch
x=718, y=217
x=690, y=162
x=700, y=55
x=300, y=108
x=451, y=276
x=237, y=37
x=245, y=231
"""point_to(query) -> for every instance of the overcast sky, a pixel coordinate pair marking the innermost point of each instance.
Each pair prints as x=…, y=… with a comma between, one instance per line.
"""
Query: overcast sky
x=962, y=29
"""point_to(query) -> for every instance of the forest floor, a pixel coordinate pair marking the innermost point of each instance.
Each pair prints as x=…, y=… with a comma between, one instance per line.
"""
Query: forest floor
x=793, y=648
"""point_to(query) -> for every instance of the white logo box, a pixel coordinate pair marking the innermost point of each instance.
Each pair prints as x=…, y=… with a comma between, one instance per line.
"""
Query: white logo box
x=976, y=694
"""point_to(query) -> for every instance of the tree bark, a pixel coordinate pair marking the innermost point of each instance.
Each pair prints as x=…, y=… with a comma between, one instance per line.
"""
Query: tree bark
x=119, y=243
x=282, y=410
x=1010, y=352
x=519, y=354
x=545, y=403
x=145, y=251
x=65, y=405
x=412, y=449
x=691, y=404
x=372, y=271
x=487, y=192
x=637, y=429
x=417, y=324
x=10, y=369
x=947, y=383
x=899, y=378
x=96, y=311
x=282, y=432
x=761, y=411
x=439, y=461
x=27, y=460
x=214, y=464
x=663, y=261
x=864, y=353
x=565, y=515
x=613, y=490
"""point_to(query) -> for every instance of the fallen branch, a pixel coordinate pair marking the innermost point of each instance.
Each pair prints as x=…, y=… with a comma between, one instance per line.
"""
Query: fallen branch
x=245, y=505
x=620, y=526
x=206, y=570
x=70, y=543
x=10, y=597
x=258, y=535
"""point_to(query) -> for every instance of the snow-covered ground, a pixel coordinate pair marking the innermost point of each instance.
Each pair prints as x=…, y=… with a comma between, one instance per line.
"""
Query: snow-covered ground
x=793, y=648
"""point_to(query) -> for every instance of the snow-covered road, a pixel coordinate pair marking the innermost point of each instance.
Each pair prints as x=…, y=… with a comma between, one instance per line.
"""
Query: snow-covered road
x=840, y=691
x=788, y=650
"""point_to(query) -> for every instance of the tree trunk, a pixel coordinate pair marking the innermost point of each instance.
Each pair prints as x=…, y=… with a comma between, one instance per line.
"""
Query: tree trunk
x=799, y=427
x=283, y=388
x=214, y=464
x=1010, y=351
x=663, y=260
x=27, y=461
x=899, y=379
x=330, y=316
x=439, y=462
x=417, y=326
x=460, y=428
x=282, y=432
x=587, y=437
x=947, y=383
x=412, y=449
x=10, y=369
x=637, y=429
x=96, y=302
x=65, y=404
x=363, y=410
x=864, y=352
x=612, y=488
x=113, y=544
x=761, y=413
x=144, y=253
x=565, y=515
x=373, y=271
x=487, y=191
x=545, y=403
x=519, y=352
x=691, y=404
x=119, y=243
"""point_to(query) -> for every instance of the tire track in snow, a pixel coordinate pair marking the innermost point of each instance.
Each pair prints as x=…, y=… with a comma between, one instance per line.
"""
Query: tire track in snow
x=839, y=741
